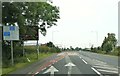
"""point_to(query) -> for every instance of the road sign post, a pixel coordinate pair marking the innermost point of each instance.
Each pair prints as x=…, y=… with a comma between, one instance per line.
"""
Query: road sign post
x=11, y=33
x=12, y=60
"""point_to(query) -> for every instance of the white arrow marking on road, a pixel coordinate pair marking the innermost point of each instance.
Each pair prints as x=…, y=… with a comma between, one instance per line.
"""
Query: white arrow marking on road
x=52, y=69
x=70, y=65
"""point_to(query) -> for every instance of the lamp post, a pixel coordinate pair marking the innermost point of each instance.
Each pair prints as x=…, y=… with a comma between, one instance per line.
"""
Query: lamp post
x=53, y=35
x=96, y=32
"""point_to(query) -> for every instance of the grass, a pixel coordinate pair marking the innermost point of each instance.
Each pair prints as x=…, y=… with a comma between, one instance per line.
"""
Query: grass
x=30, y=53
x=13, y=68
x=32, y=57
x=113, y=53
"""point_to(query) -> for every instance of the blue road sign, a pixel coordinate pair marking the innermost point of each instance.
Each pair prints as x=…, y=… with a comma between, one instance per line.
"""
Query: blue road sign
x=6, y=33
x=12, y=28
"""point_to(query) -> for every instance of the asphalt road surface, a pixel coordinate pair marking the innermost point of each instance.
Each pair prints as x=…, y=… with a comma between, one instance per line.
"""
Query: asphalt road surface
x=71, y=63
x=79, y=64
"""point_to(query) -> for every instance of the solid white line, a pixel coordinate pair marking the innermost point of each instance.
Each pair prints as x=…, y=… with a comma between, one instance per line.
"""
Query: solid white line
x=84, y=61
x=95, y=70
x=108, y=71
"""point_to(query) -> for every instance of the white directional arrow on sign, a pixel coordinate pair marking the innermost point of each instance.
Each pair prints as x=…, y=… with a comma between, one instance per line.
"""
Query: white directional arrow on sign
x=52, y=69
x=70, y=65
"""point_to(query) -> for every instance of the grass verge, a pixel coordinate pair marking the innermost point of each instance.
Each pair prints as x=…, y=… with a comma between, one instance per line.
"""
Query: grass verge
x=32, y=57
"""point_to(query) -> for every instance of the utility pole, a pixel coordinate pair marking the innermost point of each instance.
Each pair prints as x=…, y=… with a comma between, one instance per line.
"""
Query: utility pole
x=53, y=36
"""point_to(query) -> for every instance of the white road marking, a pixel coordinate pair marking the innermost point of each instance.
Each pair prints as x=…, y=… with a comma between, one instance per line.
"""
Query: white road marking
x=49, y=65
x=98, y=61
x=72, y=53
x=103, y=67
x=44, y=68
x=80, y=57
x=52, y=70
x=29, y=73
x=60, y=54
x=95, y=71
x=36, y=72
x=70, y=65
x=84, y=61
x=107, y=71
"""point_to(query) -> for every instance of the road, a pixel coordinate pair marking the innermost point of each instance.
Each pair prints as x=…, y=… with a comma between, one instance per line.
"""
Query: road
x=79, y=64
x=72, y=63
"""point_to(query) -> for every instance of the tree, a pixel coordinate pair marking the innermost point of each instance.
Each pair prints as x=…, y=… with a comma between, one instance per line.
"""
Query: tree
x=77, y=48
x=24, y=14
x=109, y=42
x=92, y=48
x=50, y=44
x=71, y=48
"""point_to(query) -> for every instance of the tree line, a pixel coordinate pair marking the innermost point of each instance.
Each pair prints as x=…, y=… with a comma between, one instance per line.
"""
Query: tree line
x=108, y=46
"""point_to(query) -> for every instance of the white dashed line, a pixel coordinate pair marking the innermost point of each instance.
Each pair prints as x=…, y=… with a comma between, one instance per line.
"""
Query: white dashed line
x=84, y=61
x=44, y=68
x=95, y=71
x=36, y=72
x=49, y=65
x=80, y=57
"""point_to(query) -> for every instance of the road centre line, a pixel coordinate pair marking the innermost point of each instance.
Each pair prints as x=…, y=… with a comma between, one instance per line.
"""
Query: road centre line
x=96, y=71
x=84, y=61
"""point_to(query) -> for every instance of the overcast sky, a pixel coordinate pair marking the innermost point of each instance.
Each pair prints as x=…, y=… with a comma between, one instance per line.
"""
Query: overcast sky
x=83, y=23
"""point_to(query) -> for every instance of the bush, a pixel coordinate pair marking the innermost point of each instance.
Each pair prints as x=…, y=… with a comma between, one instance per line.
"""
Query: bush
x=48, y=49
x=30, y=52
x=101, y=52
x=20, y=60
